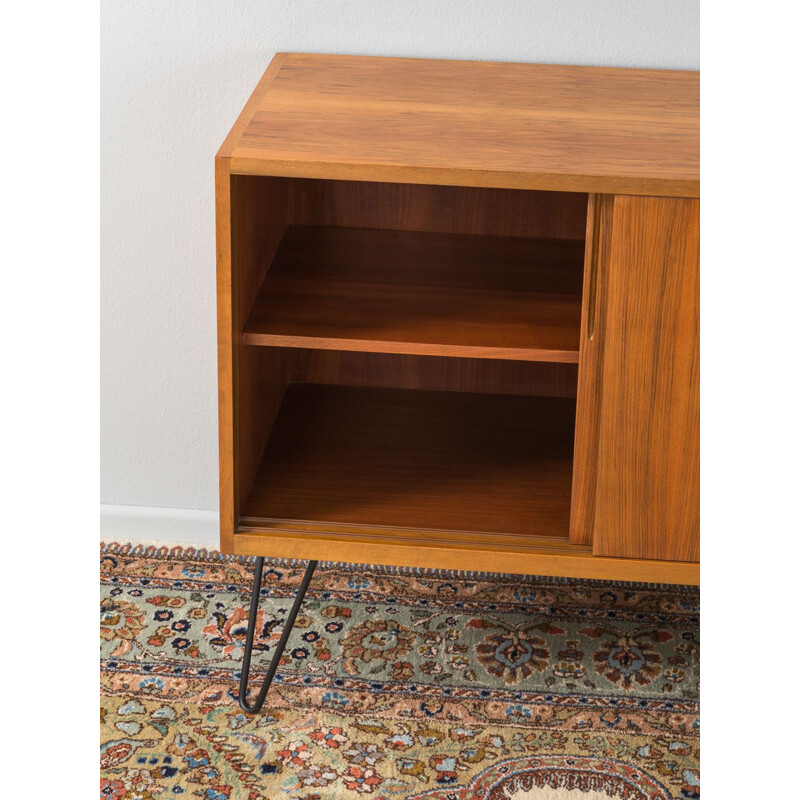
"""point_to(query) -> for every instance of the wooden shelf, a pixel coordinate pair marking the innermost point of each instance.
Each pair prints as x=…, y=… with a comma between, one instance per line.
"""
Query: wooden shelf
x=477, y=465
x=390, y=291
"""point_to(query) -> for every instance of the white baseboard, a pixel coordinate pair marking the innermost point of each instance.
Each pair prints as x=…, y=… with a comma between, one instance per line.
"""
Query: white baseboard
x=148, y=524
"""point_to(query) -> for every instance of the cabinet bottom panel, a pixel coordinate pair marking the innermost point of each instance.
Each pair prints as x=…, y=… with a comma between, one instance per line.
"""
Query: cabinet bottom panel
x=453, y=461
x=451, y=550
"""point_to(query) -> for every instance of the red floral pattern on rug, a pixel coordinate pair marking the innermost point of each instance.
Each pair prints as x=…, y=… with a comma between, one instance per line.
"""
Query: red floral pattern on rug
x=629, y=659
x=513, y=657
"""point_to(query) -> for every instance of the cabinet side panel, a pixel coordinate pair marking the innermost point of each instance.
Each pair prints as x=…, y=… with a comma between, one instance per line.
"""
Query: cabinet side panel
x=261, y=214
x=226, y=354
x=251, y=217
x=584, y=476
x=648, y=477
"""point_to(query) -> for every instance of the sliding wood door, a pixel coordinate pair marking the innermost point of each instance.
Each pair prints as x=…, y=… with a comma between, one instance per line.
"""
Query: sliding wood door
x=638, y=394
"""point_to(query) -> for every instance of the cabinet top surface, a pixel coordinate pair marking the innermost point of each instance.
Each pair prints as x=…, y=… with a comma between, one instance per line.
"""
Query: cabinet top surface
x=472, y=123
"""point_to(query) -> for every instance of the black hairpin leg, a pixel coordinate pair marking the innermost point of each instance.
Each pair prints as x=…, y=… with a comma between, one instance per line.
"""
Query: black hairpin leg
x=251, y=629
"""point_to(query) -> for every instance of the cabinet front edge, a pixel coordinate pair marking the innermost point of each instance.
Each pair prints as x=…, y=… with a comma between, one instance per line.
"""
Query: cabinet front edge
x=267, y=166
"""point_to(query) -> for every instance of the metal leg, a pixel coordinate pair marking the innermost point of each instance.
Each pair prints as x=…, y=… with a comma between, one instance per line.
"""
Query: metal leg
x=251, y=629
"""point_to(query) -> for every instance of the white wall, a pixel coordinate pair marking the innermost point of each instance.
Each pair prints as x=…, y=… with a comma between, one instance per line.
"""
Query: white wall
x=174, y=77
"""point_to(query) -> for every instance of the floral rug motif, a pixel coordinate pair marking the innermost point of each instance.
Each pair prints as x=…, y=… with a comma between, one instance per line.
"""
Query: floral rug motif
x=397, y=684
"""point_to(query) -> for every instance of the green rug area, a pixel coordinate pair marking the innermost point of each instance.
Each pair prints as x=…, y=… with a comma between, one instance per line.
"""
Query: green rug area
x=396, y=683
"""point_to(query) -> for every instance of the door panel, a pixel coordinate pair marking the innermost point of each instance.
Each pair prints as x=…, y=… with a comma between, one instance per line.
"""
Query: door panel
x=587, y=419
x=647, y=482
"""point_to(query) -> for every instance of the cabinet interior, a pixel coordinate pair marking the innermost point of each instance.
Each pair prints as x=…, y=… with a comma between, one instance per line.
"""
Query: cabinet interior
x=407, y=356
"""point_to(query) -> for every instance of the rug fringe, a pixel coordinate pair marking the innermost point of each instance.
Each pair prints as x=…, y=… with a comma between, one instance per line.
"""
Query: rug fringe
x=140, y=549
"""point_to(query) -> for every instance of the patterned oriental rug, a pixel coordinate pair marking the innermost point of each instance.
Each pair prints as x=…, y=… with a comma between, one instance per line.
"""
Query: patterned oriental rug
x=396, y=683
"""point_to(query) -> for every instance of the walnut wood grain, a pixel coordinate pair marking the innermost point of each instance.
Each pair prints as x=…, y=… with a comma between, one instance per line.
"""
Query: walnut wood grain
x=251, y=219
x=587, y=418
x=227, y=352
x=431, y=460
x=432, y=373
x=251, y=106
x=422, y=293
x=647, y=502
x=519, y=126
x=414, y=548
x=438, y=209
x=261, y=214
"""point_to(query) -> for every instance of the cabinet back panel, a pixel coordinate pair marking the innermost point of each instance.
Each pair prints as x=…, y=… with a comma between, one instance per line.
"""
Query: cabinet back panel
x=434, y=373
x=441, y=209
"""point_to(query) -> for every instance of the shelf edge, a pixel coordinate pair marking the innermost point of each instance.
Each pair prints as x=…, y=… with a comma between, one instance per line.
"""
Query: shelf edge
x=410, y=348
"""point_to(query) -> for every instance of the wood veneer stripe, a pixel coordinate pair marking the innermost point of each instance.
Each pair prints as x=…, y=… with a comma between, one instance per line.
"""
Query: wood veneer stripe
x=253, y=162
x=252, y=105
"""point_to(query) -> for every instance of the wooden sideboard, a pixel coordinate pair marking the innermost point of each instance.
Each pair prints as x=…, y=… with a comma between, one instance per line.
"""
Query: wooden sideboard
x=458, y=310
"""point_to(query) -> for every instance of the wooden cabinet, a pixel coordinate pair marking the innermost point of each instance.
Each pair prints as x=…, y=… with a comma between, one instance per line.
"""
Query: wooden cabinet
x=458, y=317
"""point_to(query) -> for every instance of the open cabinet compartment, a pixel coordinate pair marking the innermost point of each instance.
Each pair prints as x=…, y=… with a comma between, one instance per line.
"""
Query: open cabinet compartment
x=408, y=357
x=429, y=459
